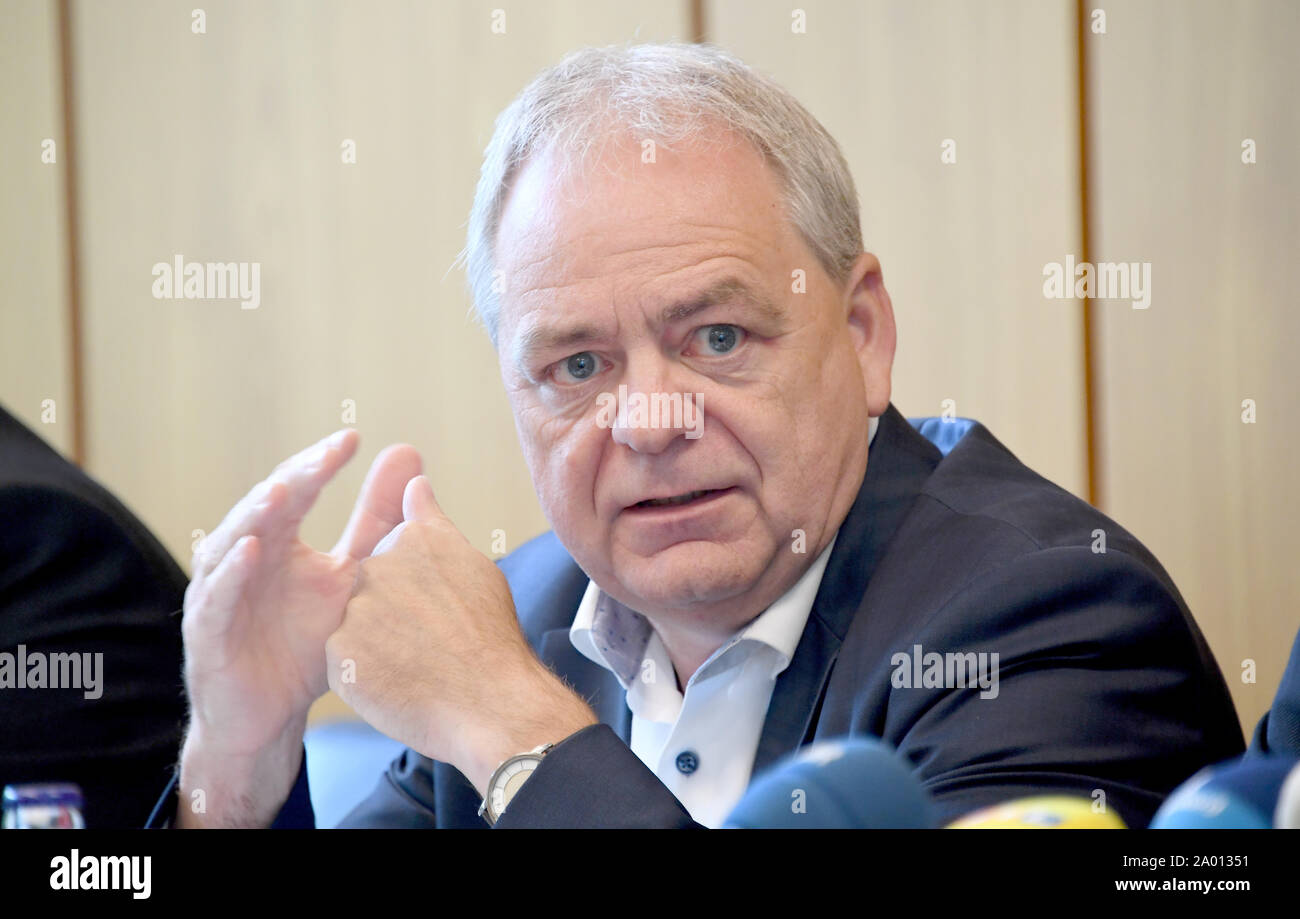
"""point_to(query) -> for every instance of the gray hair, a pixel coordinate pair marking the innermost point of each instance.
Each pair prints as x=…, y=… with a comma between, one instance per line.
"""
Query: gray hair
x=671, y=92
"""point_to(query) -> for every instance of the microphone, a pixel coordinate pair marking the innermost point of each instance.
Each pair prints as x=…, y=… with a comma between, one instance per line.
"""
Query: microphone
x=1241, y=794
x=848, y=783
x=1287, y=814
x=1043, y=812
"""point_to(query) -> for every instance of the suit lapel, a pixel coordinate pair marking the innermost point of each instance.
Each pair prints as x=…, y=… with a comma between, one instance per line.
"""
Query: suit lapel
x=899, y=462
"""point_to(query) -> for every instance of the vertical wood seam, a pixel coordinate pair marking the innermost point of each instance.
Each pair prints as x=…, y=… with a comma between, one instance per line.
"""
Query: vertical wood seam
x=72, y=235
x=699, y=23
x=1085, y=255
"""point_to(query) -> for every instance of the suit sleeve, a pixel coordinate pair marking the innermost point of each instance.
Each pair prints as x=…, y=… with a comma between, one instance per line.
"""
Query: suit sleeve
x=594, y=780
x=1104, y=684
x=589, y=780
x=407, y=796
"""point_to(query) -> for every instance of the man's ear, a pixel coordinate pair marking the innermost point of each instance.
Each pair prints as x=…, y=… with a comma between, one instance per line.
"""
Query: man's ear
x=871, y=329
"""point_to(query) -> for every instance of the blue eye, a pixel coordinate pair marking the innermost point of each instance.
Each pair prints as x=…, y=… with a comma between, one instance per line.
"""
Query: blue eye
x=580, y=366
x=721, y=338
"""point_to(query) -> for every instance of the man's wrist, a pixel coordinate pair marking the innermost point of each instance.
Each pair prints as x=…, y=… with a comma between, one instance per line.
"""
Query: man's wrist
x=552, y=713
x=221, y=789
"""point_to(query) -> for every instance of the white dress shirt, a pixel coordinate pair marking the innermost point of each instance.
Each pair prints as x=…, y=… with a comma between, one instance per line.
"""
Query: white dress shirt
x=701, y=743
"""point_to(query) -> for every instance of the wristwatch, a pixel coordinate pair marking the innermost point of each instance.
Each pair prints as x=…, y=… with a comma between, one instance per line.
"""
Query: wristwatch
x=507, y=780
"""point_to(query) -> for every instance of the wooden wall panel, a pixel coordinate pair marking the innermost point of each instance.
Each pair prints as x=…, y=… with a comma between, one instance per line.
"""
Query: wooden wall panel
x=34, y=359
x=1177, y=87
x=226, y=146
x=962, y=245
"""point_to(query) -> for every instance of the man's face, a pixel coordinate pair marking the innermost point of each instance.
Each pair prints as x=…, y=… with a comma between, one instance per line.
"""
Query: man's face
x=681, y=277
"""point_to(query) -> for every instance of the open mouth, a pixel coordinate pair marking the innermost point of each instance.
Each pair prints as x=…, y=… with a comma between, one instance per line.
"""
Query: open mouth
x=677, y=500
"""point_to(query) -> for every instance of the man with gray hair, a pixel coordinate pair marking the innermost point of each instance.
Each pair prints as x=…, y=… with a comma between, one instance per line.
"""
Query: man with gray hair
x=660, y=221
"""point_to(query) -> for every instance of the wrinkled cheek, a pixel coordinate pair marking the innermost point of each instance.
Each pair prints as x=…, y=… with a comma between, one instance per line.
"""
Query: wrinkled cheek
x=566, y=467
x=792, y=476
x=540, y=435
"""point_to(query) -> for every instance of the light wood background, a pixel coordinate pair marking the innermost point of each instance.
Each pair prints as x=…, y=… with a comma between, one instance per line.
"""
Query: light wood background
x=226, y=147
x=1178, y=87
x=34, y=349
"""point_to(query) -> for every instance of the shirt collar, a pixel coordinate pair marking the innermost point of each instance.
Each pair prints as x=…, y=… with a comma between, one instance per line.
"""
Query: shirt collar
x=615, y=637
x=610, y=634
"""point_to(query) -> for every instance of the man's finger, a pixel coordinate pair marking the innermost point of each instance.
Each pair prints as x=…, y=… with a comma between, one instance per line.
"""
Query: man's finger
x=307, y=473
x=300, y=479
x=254, y=515
x=222, y=589
x=418, y=502
x=379, y=506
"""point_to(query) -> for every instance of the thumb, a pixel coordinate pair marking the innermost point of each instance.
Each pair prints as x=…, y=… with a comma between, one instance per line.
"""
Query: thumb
x=418, y=502
x=378, y=508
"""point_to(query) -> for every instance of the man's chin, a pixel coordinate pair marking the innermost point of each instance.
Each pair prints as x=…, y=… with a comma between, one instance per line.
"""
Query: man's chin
x=688, y=574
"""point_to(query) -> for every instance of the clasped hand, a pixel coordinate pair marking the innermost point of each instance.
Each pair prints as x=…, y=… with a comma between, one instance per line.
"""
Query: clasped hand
x=404, y=619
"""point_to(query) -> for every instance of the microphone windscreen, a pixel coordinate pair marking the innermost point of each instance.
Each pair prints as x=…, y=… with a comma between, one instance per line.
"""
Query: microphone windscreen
x=850, y=783
x=1287, y=814
x=1240, y=794
x=1044, y=812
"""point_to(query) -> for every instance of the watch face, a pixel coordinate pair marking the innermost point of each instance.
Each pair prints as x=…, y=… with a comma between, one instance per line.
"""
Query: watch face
x=509, y=779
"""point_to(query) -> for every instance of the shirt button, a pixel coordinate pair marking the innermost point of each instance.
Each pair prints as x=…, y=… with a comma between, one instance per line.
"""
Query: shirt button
x=687, y=762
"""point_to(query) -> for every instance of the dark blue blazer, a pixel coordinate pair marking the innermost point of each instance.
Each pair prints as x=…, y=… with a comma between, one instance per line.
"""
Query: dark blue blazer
x=952, y=544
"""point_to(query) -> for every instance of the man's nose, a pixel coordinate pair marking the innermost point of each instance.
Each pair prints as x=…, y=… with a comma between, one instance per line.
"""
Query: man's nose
x=651, y=412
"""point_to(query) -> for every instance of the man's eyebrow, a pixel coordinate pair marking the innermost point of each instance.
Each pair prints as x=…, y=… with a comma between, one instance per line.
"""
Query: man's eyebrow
x=544, y=338
x=725, y=291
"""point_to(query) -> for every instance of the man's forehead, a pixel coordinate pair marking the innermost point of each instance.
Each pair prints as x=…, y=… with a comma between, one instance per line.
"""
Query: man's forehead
x=559, y=216
x=688, y=230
